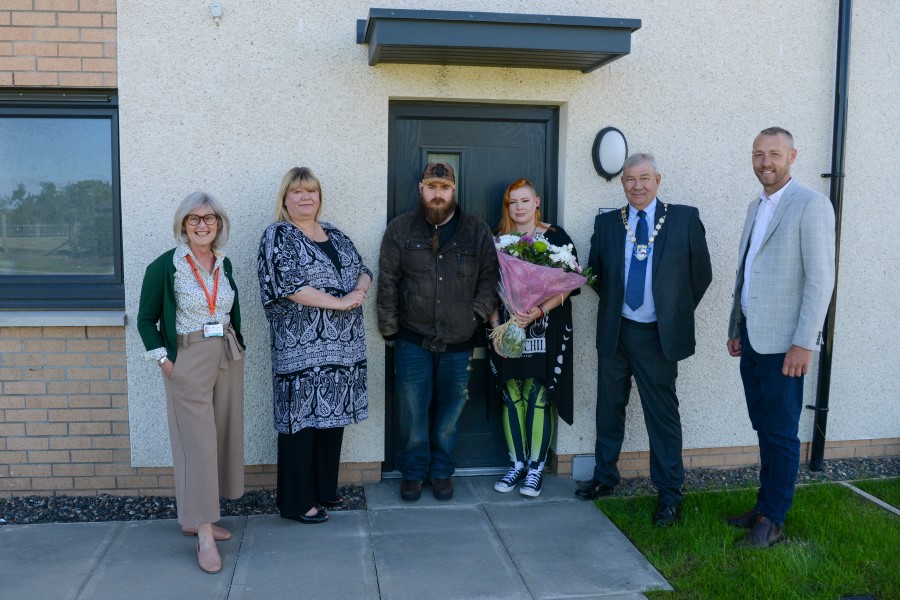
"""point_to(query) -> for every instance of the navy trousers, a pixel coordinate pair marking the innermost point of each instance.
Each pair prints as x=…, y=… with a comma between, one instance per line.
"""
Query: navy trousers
x=639, y=353
x=774, y=402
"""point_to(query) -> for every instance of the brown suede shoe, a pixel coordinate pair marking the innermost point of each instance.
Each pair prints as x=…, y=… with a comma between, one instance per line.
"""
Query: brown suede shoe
x=745, y=520
x=442, y=488
x=411, y=490
x=764, y=534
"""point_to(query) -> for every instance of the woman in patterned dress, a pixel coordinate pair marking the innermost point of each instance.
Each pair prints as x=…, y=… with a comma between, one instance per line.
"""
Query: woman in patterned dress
x=312, y=283
x=190, y=322
x=539, y=384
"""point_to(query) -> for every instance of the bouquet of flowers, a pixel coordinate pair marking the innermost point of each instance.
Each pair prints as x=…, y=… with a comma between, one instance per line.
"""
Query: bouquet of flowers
x=531, y=269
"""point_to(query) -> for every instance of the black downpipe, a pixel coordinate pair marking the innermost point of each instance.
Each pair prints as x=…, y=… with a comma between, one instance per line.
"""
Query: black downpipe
x=839, y=134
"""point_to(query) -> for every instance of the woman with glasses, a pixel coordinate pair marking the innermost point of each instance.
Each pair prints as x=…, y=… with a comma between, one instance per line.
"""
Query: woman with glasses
x=190, y=323
x=312, y=283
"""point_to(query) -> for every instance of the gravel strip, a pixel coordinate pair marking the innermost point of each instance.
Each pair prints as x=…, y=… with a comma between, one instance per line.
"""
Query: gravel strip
x=81, y=509
x=706, y=480
x=78, y=509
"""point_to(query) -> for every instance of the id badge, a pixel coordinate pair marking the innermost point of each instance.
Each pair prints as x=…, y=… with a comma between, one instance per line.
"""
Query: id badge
x=213, y=330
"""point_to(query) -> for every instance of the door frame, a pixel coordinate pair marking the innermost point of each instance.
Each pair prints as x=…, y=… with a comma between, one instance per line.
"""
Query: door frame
x=467, y=111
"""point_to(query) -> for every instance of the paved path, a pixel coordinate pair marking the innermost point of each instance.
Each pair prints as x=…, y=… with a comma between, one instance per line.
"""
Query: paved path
x=481, y=544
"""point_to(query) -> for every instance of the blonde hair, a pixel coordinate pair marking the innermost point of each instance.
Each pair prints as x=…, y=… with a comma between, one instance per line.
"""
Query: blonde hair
x=296, y=177
x=194, y=201
x=506, y=225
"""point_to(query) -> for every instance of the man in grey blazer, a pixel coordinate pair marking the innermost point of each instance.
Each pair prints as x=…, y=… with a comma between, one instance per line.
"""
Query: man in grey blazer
x=652, y=266
x=784, y=281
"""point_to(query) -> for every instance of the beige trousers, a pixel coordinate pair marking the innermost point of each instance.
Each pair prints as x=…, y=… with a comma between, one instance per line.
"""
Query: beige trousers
x=205, y=405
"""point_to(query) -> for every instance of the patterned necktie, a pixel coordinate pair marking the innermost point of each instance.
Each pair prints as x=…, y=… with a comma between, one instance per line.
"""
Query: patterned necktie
x=637, y=272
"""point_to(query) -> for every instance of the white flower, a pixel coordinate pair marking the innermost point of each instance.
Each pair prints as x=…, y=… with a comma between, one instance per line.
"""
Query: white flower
x=506, y=240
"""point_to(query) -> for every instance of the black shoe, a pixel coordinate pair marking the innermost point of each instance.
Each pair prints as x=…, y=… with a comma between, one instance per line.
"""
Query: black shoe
x=745, y=521
x=320, y=517
x=411, y=490
x=764, y=534
x=665, y=515
x=334, y=503
x=442, y=488
x=592, y=489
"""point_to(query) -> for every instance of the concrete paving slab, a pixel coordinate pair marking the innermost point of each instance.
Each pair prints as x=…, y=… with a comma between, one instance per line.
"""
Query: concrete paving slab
x=40, y=562
x=552, y=488
x=386, y=494
x=444, y=553
x=152, y=560
x=285, y=559
x=569, y=549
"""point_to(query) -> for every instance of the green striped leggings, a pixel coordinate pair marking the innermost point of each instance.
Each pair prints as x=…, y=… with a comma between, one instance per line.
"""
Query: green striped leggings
x=528, y=421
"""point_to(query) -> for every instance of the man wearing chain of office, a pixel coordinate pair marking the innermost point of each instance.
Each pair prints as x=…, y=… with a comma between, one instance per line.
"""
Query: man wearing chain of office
x=652, y=266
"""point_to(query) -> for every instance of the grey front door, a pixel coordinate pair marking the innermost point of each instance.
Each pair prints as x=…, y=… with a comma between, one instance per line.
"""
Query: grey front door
x=489, y=146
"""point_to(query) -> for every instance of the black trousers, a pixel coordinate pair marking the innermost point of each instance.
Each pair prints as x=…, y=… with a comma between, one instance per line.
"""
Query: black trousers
x=640, y=354
x=307, y=469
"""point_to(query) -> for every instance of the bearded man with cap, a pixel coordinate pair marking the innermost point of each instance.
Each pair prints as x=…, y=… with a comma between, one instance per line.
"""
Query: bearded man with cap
x=436, y=289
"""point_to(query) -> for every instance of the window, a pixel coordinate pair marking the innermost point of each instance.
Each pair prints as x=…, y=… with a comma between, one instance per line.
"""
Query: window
x=60, y=220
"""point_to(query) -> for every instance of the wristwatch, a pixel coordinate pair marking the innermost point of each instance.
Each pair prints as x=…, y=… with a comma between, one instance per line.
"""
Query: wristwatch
x=162, y=360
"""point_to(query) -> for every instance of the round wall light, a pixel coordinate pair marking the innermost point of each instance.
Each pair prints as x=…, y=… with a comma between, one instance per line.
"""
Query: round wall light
x=609, y=152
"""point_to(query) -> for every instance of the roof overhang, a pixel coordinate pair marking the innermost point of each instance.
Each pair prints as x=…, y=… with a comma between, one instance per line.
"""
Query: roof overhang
x=438, y=37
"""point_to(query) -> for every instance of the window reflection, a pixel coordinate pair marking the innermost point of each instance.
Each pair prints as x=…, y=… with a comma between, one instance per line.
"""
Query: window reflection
x=56, y=196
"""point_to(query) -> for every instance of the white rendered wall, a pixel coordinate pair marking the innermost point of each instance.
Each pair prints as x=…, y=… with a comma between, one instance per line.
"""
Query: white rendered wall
x=228, y=109
x=865, y=385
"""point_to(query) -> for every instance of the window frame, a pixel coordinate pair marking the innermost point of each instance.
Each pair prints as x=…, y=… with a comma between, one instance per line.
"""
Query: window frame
x=70, y=292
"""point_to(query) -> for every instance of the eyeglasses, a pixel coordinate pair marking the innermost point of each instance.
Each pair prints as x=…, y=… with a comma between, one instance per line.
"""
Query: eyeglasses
x=194, y=220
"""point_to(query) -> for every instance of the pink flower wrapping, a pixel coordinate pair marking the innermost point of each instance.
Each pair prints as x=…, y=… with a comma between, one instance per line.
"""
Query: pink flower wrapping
x=523, y=284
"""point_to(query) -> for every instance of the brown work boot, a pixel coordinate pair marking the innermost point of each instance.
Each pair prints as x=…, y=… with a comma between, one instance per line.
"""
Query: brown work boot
x=442, y=488
x=411, y=490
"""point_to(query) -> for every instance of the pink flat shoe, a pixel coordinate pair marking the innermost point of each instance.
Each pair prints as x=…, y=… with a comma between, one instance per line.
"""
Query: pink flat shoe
x=209, y=559
x=220, y=534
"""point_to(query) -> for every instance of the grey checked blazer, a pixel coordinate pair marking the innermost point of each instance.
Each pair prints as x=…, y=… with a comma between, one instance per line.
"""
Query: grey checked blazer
x=793, y=274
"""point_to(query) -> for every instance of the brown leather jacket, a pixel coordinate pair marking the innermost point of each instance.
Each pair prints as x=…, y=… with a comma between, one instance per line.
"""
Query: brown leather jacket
x=443, y=296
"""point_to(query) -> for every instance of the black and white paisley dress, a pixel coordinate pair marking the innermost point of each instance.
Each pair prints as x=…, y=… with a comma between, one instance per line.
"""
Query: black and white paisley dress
x=318, y=355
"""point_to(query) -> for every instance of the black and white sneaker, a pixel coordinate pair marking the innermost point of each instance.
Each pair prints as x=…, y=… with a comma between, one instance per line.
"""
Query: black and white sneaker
x=513, y=477
x=532, y=485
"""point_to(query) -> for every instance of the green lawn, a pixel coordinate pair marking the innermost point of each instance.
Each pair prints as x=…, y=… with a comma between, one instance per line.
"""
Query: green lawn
x=887, y=490
x=838, y=544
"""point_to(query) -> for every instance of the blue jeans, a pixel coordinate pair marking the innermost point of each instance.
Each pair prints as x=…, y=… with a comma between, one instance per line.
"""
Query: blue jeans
x=774, y=402
x=432, y=389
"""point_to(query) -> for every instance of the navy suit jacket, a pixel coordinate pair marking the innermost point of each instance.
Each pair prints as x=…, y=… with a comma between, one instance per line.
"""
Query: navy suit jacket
x=681, y=272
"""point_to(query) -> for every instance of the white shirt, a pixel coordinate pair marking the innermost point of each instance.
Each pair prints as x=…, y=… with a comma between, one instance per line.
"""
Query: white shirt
x=764, y=213
x=646, y=312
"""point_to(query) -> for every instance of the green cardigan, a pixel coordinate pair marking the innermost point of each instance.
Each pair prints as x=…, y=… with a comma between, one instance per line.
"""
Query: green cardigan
x=158, y=305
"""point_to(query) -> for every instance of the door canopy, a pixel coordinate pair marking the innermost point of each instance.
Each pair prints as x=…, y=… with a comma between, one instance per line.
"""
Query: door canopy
x=438, y=37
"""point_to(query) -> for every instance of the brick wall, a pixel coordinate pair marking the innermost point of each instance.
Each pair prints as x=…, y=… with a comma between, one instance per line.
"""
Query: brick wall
x=64, y=419
x=58, y=43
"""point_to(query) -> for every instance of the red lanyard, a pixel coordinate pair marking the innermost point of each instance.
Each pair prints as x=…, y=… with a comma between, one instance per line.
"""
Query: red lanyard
x=210, y=300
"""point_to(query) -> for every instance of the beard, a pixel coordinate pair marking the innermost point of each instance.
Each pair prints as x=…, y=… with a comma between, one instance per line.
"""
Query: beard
x=438, y=210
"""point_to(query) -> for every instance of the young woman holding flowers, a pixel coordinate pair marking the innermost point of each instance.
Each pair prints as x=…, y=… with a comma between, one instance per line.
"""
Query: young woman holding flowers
x=537, y=385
